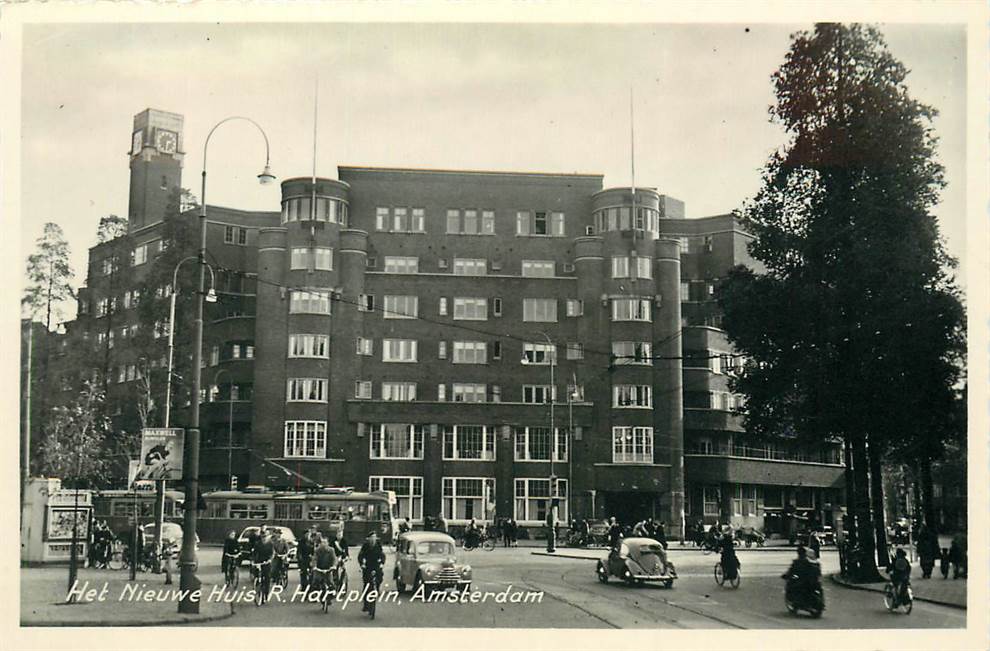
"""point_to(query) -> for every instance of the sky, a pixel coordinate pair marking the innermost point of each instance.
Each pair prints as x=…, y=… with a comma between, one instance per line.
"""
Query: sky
x=523, y=97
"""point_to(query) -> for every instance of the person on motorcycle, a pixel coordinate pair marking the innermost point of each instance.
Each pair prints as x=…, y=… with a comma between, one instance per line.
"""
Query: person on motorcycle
x=280, y=562
x=805, y=574
x=324, y=559
x=900, y=573
x=372, y=559
x=729, y=560
x=231, y=551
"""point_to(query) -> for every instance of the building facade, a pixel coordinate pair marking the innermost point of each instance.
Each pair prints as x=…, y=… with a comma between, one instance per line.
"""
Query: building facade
x=479, y=343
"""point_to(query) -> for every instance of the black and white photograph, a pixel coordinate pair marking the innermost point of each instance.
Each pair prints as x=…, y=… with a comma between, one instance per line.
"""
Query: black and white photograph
x=560, y=328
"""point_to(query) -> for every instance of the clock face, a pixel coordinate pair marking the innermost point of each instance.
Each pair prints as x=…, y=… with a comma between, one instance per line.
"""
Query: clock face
x=166, y=141
x=137, y=142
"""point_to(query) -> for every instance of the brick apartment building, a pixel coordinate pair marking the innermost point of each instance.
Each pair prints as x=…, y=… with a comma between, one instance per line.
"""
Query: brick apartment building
x=398, y=329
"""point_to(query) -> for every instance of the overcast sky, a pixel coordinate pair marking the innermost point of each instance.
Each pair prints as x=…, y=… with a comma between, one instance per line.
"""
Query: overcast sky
x=531, y=97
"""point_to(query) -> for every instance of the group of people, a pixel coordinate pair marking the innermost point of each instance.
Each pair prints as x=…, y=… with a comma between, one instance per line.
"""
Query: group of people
x=100, y=544
x=951, y=559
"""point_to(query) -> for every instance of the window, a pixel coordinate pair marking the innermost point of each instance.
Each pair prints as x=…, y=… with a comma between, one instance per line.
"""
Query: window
x=235, y=235
x=140, y=254
x=465, y=498
x=306, y=438
x=366, y=303
x=496, y=349
x=301, y=345
x=538, y=268
x=323, y=258
x=214, y=355
x=744, y=499
x=471, y=442
x=575, y=350
x=401, y=307
x=307, y=390
x=575, y=307
x=488, y=222
x=441, y=392
x=396, y=441
x=534, y=443
x=302, y=209
x=401, y=264
x=381, y=219
x=538, y=353
x=468, y=392
x=470, y=309
x=248, y=511
x=632, y=395
x=299, y=258
x=399, y=391
x=442, y=350
x=418, y=223
x=685, y=291
x=538, y=394
x=710, y=498
x=644, y=267
x=632, y=445
x=620, y=267
x=402, y=220
x=632, y=352
x=453, y=221
x=496, y=393
x=470, y=352
x=408, y=495
x=313, y=301
x=365, y=346
x=540, y=223
x=497, y=307
x=466, y=222
x=631, y=309
x=442, y=306
x=541, y=310
x=533, y=500
x=470, y=266
x=362, y=389
x=399, y=350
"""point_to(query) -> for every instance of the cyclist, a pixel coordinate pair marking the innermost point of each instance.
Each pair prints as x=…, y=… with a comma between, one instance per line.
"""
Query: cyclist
x=231, y=551
x=262, y=555
x=471, y=534
x=729, y=560
x=372, y=560
x=900, y=573
x=404, y=526
x=340, y=545
x=280, y=548
x=324, y=559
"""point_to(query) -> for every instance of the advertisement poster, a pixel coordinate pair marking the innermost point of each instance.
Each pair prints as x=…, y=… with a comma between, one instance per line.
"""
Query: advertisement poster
x=60, y=523
x=161, y=454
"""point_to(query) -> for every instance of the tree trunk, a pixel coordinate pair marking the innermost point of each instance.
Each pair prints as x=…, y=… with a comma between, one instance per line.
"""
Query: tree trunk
x=867, y=570
x=928, y=495
x=850, y=533
x=879, y=512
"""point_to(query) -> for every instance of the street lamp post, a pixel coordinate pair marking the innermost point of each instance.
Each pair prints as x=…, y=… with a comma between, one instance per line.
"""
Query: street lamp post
x=552, y=511
x=230, y=422
x=188, y=582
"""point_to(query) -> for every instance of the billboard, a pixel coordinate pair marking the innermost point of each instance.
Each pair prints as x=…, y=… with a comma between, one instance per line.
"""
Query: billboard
x=161, y=454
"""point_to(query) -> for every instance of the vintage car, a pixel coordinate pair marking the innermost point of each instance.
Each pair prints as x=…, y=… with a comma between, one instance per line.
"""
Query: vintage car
x=638, y=560
x=244, y=542
x=428, y=559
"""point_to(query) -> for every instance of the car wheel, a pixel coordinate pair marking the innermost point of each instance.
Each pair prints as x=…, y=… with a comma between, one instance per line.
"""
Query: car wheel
x=668, y=583
x=417, y=582
x=602, y=572
x=791, y=608
x=399, y=585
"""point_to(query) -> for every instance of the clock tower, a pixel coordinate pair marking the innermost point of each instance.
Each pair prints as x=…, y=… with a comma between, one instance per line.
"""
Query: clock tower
x=156, y=166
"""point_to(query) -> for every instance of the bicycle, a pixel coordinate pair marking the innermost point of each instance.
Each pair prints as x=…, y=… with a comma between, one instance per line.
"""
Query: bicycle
x=262, y=582
x=282, y=576
x=483, y=539
x=116, y=560
x=720, y=576
x=321, y=580
x=232, y=575
x=373, y=576
x=340, y=576
x=894, y=599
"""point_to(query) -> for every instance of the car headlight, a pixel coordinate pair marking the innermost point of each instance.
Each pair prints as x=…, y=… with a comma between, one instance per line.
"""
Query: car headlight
x=428, y=570
x=465, y=570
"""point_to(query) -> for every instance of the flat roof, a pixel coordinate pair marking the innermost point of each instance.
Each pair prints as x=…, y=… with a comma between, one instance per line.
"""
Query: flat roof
x=427, y=170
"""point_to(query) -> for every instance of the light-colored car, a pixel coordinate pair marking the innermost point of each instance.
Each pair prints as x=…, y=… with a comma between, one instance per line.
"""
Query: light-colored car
x=429, y=559
x=244, y=541
x=171, y=535
x=637, y=560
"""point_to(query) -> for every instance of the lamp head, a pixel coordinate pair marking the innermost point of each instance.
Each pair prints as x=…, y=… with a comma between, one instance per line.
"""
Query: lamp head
x=266, y=176
x=211, y=296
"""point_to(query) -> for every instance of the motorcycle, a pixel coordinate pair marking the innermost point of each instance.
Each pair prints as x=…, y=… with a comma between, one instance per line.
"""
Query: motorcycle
x=798, y=597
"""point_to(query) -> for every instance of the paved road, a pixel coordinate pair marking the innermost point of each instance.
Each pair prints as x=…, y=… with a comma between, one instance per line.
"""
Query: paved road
x=573, y=598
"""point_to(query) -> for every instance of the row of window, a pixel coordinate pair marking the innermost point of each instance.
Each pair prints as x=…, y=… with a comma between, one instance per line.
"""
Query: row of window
x=620, y=218
x=324, y=209
x=463, y=352
x=746, y=499
x=308, y=438
x=468, y=221
x=466, y=392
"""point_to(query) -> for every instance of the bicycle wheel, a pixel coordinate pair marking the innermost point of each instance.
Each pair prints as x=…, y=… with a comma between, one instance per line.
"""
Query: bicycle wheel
x=734, y=581
x=719, y=575
x=116, y=561
x=259, y=595
x=233, y=574
x=489, y=544
x=706, y=549
x=888, y=597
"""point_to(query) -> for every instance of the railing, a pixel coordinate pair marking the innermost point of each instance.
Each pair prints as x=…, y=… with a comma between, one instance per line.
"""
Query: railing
x=769, y=454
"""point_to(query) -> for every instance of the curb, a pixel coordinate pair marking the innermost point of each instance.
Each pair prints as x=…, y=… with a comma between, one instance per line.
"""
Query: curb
x=853, y=586
x=185, y=619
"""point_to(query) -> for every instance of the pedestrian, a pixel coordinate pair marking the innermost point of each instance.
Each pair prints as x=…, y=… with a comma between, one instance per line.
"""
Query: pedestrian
x=944, y=563
x=660, y=533
x=441, y=523
x=513, y=532
x=814, y=544
x=614, y=533
x=927, y=550
x=957, y=555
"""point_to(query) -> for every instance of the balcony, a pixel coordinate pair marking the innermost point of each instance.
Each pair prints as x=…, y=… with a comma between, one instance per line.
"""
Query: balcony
x=825, y=457
x=751, y=465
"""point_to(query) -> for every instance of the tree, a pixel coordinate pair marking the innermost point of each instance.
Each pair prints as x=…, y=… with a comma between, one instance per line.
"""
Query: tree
x=110, y=228
x=49, y=275
x=73, y=448
x=855, y=328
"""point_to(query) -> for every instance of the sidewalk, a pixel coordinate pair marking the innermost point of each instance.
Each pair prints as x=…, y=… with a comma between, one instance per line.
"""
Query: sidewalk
x=945, y=592
x=43, y=592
